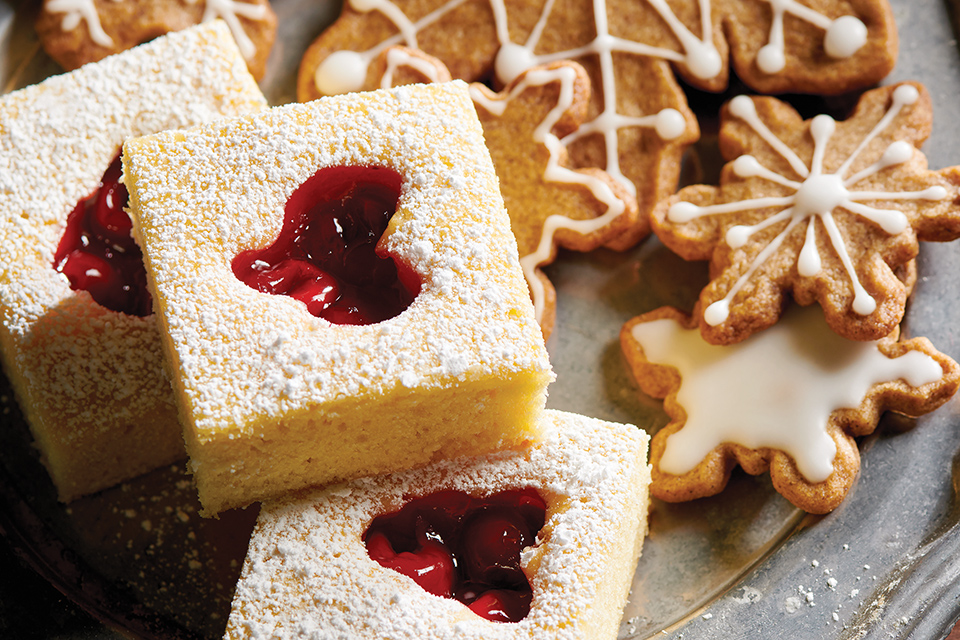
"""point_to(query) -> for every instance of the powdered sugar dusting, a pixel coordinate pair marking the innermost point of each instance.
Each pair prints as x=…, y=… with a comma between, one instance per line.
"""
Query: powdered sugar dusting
x=207, y=195
x=307, y=573
x=85, y=374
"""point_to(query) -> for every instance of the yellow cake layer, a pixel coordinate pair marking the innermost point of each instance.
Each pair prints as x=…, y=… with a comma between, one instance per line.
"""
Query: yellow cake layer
x=274, y=399
x=307, y=572
x=90, y=380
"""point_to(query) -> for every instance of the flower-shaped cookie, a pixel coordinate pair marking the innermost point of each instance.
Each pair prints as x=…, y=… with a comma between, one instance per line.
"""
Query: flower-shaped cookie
x=75, y=32
x=790, y=399
x=823, y=210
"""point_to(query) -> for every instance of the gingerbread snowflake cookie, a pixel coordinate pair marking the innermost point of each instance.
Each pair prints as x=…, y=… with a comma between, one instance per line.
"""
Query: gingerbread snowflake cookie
x=790, y=399
x=75, y=32
x=822, y=210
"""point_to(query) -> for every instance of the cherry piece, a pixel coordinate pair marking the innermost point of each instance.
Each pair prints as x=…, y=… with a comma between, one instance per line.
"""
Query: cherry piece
x=465, y=548
x=326, y=254
x=97, y=252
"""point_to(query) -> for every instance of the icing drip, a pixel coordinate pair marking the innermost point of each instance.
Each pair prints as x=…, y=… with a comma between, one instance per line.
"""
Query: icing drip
x=397, y=58
x=554, y=172
x=816, y=196
x=81, y=10
x=228, y=10
x=775, y=389
x=843, y=36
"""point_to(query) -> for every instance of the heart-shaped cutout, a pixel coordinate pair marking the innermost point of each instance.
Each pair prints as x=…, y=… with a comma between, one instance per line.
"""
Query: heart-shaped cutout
x=326, y=254
x=97, y=252
x=456, y=546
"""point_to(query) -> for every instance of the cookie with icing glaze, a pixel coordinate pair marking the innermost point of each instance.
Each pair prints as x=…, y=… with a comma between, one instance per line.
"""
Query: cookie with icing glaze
x=821, y=211
x=308, y=572
x=274, y=398
x=75, y=32
x=789, y=400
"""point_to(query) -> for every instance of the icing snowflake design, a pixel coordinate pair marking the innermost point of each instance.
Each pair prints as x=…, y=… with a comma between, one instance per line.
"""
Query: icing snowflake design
x=815, y=197
x=344, y=71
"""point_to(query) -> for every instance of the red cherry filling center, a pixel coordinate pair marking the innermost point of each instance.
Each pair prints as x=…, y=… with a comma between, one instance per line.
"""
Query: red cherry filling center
x=97, y=252
x=326, y=255
x=457, y=546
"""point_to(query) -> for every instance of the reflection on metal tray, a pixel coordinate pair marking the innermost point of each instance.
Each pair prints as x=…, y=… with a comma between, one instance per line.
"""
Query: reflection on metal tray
x=744, y=564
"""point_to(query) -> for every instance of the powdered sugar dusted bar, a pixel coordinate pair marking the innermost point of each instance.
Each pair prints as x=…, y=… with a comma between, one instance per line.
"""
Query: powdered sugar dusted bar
x=90, y=380
x=308, y=573
x=273, y=398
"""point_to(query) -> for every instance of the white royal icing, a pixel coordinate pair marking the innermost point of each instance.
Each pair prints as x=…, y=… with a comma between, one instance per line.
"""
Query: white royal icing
x=228, y=10
x=843, y=36
x=815, y=197
x=775, y=389
x=554, y=172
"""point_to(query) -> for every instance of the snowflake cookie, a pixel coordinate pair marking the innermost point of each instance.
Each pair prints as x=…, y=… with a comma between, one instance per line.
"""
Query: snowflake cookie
x=312, y=570
x=823, y=210
x=75, y=32
x=789, y=400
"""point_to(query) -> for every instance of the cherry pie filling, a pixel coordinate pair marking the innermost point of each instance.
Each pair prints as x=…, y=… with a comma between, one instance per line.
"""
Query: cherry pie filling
x=456, y=546
x=97, y=252
x=326, y=254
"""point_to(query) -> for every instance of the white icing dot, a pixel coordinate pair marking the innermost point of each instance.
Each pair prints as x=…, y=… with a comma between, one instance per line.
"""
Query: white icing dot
x=863, y=303
x=670, y=124
x=770, y=59
x=822, y=126
x=683, y=212
x=845, y=36
x=341, y=72
x=743, y=107
x=906, y=94
x=897, y=153
x=746, y=166
x=737, y=236
x=512, y=60
x=704, y=60
x=935, y=193
x=717, y=312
